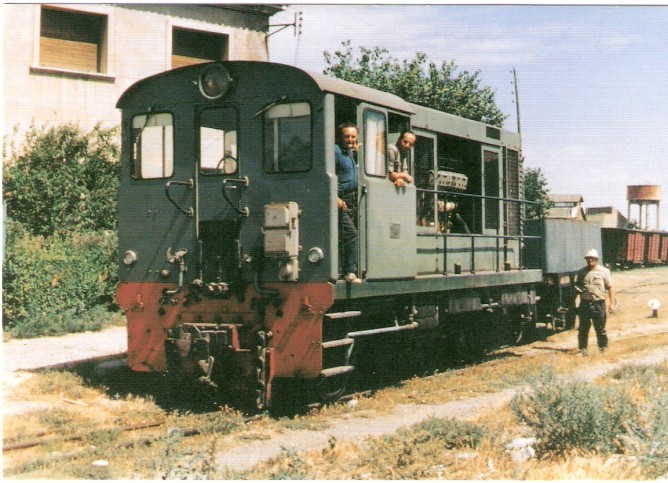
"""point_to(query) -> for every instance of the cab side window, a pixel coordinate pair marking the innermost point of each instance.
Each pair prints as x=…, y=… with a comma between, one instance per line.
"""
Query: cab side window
x=375, y=143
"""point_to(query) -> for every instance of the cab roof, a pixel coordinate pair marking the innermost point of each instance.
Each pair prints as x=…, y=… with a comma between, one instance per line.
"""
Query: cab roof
x=323, y=82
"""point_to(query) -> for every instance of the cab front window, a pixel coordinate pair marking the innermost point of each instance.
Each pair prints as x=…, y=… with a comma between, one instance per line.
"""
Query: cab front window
x=287, y=138
x=218, y=141
x=153, y=146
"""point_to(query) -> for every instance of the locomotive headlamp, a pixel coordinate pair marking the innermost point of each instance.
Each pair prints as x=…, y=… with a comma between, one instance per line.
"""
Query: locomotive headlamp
x=315, y=255
x=214, y=82
x=129, y=258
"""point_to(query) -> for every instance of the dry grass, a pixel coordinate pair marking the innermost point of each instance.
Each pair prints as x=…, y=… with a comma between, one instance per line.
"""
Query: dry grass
x=65, y=408
x=419, y=452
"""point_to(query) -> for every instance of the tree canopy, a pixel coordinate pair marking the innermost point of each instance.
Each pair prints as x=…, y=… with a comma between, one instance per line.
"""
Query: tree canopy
x=535, y=189
x=418, y=80
x=64, y=180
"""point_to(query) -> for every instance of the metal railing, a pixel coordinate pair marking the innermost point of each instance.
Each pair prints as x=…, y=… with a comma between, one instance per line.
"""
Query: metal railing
x=501, y=235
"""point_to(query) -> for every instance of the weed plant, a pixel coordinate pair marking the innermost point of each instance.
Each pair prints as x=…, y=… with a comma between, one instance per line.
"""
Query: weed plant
x=412, y=453
x=180, y=461
x=402, y=455
x=628, y=416
x=291, y=466
x=647, y=435
x=222, y=422
x=655, y=443
x=568, y=415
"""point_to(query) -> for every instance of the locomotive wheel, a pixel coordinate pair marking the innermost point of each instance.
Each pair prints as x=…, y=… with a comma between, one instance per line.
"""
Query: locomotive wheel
x=560, y=322
x=466, y=345
x=183, y=391
x=522, y=332
x=427, y=355
x=330, y=389
x=289, y=397
x=518, y=336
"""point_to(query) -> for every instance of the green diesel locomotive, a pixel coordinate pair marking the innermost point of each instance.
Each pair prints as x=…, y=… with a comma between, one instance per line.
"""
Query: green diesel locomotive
x=229, y=248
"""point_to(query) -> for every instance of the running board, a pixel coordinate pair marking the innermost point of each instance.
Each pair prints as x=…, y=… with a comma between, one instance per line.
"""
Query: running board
x=343, y=315
x=330, y=344
x=336, y=371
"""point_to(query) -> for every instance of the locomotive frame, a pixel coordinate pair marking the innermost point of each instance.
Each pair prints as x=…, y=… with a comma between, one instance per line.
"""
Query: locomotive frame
x=228, y=234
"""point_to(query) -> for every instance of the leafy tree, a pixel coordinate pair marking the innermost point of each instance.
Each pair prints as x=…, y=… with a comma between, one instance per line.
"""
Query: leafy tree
x=419, y=81
x=535, y=189
x=64, y=180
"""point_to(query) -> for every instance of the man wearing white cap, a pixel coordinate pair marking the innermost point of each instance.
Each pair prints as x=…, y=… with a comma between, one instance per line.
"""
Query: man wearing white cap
x=592, y=282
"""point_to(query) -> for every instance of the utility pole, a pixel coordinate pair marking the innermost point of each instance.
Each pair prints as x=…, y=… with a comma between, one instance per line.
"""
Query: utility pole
x=296, y=25
x=517, y=105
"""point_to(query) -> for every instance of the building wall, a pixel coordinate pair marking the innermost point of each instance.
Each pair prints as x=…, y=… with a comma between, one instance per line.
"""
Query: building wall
x=608, y=220
x=139, y=44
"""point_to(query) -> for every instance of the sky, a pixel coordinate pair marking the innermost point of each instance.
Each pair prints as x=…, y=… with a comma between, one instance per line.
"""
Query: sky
x=592, y=80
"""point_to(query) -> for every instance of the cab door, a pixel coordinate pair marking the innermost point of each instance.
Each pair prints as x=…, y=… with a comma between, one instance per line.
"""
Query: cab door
x=156, y=197
x=386, y=213
x=221, y=193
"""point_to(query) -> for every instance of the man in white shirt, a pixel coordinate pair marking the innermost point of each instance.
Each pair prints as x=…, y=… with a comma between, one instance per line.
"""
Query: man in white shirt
x=592, y=282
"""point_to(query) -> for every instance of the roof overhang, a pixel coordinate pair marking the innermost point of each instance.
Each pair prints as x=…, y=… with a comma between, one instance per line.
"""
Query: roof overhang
x=262, y=9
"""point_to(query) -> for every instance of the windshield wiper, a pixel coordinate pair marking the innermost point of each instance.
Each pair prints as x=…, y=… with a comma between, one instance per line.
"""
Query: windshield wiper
x=266, y=108
x=149, y=115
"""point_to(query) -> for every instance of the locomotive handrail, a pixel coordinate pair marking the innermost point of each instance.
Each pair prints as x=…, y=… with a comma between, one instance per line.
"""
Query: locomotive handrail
x=190, y=183
x=236, y=181
x=471, y=195
x=485, y=235
x=521, y=237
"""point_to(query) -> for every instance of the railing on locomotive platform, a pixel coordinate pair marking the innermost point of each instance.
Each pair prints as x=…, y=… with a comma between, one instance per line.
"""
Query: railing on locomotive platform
x=521, y=237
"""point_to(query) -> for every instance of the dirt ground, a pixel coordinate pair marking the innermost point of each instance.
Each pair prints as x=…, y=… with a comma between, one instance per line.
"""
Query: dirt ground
x=633, y=319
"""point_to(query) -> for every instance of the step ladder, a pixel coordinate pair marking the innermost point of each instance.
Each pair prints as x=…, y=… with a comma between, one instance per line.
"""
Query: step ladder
x=345, y=345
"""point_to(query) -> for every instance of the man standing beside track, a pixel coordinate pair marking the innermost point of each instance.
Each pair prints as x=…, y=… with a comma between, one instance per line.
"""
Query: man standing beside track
x=592, y=282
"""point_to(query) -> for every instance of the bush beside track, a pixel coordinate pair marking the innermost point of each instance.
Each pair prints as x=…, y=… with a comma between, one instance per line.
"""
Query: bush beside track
x=59, y=261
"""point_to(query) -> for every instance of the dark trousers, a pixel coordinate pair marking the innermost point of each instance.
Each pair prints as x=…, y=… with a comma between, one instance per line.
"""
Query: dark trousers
x=348, y=239
x=592, y=313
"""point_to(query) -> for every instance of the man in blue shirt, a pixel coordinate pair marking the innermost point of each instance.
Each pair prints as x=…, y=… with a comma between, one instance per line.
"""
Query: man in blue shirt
x=346, y=172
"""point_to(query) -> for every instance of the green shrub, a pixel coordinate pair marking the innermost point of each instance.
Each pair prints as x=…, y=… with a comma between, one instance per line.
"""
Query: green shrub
x=50, y=284
x=651, y=379
x=647, y=435
x=291, y=466
x=567, y=415
x=64, y=180
x=655, y=456
x=409, y=452
x=183, y=461
x=453, y=434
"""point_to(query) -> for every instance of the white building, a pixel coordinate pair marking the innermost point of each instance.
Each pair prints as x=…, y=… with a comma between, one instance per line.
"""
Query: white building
x=71, y=62
x=566, y=207
x=607, y=216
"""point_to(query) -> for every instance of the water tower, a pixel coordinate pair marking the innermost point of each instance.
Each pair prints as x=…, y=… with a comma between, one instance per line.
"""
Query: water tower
x=644, y=196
